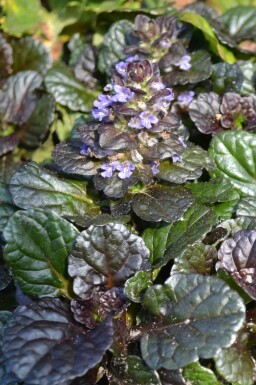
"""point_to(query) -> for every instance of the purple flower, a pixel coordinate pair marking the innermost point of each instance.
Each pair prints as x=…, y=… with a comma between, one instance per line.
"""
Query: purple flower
x=109, y=168
x=121, y=68
x=157, y=86
x=135, y=123
x=125, y=169
x=147, y=119
x=165, y=43
x=154, y=167
x=100, y=114
x=84, y=150
x=123, y=94
x=182, y=142
x=184, y=63
x=176, y=158
x=102, y=101
x=108, y=87
x=186, y=97
x=169, y=97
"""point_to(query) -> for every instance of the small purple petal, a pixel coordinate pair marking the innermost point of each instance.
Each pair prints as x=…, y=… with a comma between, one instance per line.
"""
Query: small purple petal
x=157, y=86
x=102, y=101
x=121, y=68
x=182, y=142
x=84, y=150
x=123, y=94
x=169, y=97
x=109, y=169
x=165, y=43
x=184, y=63
x=154, y=166
x=108, y=87
x=176, y=158
x=135, y=123
x=147, y=119
x=186, y=97
x=100, y=114
x=125, y=169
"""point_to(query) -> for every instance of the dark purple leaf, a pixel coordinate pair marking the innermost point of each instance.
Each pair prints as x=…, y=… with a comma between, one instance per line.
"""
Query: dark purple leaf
x=113, y=139
x=6, y=58
x=8, y=143
x=114, y=187
x=85, y=66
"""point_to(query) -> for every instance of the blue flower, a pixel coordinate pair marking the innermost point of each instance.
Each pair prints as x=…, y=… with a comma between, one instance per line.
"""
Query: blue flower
x=100, y=114
x=184, y=63
x=176, y=158
x=154, y=167
x=157, y=86
x=169, y=97
x=123, y=94
x=165, y=43
x=125, y=169
x=147, y=119
x=102, y=101
x=121, y=68
x=109, y=168
x=84, y=150
x=186, y=97
x=182, y=142
x=135, y=123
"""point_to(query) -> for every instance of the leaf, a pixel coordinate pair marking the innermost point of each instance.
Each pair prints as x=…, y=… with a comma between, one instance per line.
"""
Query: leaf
x=197, y=374
x=35, y=187
x=202, y=24
x=221, y=6
x=234, y=154
x=137, y=284
x=248, y=69
x=194, y=160
x=105, y=256
x=204, y=110
x=161, y=203
x=34, y=131
x=67, y=91
x=226, y=78
x=17, y=97
x=195, y=74
x=240, y=22
x=38, y=243
x=114, y=187
x=21, y=16
x=30, y=54
x=237, y=257
x=7, y=207
x=168, y=242
x=6, y=58
x=197, y=258
x=202, y=316
x=236, y=364
x=8, y=143
x=5, y=277
x=246, y=207
x=56, y=350
x=114, y=42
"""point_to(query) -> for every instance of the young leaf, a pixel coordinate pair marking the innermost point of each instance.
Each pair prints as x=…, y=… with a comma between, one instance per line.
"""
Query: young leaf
x=137, y=284
x=55, y=349
x=162, y=203
x=240, y=22
x=194, y=160
x=197, y=374
x=203, y=315
x=234, y=154
x=34, y=187
x=17, y=96
x=38, y=243
x=237, y=257
x=168, y=242
x=67, y=91
x=105, y=256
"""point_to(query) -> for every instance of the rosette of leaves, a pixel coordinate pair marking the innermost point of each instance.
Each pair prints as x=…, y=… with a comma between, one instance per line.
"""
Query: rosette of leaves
x=132, y=132
x=212, y=113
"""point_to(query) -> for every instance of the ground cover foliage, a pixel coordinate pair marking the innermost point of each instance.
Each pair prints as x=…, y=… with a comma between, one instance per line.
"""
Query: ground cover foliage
x=127, y=193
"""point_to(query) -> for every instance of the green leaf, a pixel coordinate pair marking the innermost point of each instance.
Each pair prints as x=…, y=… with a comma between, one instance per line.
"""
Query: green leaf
x=22, y=16
x=236, y=364
x=240, y=22
x=216, y=190
x=248, y=69
x=201, y=23
x=197, y=258
x=115, y=40
x=30, y=54
x=38, y=243
x=67, y=91
x=194, y=160
x=246, y=207
x=7, y=207
x=105, y=256
x=222, y=6
x=197, y=374
x=226, y=78
x=6, y=58
x=168, y=242
x=202, y=316
x=137, y=284
x=234, y=153
x=161, y=203
x=35, y=187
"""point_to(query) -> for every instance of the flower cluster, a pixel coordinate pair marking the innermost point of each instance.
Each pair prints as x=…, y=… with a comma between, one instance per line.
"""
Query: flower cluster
x=135, y=129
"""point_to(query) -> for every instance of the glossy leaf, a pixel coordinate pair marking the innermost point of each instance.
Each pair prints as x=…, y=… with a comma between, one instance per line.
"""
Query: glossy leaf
x=226, y=78
x=17, y=97
x=8, y=143
x=5, y=277
x=168, y=242
x=38, y=243
x=6, y=58
x=30, y=54
x=114, y=187
x=194, y=160
x=68, y=91
x=234, y=154
x=56, y=350
x=197, y=258
x=216, y=190
x=247, y=207
x=104, y=257
x=237, y=257
x=199, y=375
x=240, y=22
x=248, y=69
x=35, y=187
x=162, y=203
x=202, y=316
x=7, y=207
x=135, y=286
